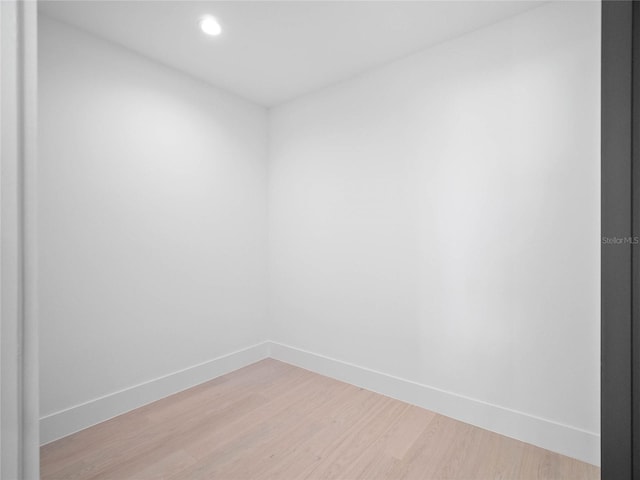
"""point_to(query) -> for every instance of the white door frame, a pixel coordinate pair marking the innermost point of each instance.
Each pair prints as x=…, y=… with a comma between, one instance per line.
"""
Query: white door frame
x=19, y=431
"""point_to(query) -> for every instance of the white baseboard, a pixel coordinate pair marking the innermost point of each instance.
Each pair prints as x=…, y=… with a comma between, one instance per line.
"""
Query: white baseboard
x=541, y=432
x=65, y=422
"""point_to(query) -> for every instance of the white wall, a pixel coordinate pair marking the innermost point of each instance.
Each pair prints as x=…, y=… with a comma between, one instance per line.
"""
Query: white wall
x=152, y=229
x=438, y=219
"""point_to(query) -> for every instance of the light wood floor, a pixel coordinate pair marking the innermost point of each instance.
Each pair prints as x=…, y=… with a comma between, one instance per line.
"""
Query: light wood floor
x=275, y=421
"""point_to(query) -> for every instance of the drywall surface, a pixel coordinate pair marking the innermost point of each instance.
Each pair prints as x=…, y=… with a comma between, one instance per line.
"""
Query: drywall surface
x=152, y=214
x=437, y=219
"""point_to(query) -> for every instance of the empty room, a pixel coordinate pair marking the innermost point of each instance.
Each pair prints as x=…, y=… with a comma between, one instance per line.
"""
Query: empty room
x=318, y=239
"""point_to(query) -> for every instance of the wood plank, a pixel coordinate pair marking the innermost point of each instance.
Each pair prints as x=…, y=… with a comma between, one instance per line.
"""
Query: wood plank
x=275, y=421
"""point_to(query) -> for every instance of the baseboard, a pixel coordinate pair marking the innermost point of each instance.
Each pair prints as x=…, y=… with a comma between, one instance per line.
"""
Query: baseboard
x=65, y=422
x=547, y=434
x=541, y=432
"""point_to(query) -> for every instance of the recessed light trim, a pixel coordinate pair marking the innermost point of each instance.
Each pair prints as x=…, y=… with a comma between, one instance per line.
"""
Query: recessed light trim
x=210, y=26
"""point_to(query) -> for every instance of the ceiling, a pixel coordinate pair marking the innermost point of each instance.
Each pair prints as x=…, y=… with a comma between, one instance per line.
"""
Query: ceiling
x=273, y=51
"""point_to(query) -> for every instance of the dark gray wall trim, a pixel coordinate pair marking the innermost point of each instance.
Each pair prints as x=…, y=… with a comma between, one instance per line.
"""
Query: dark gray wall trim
x=617, y=232
x=635, y=250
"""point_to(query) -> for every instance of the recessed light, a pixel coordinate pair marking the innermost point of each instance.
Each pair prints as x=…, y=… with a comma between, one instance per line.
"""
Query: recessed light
x=210, y=26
